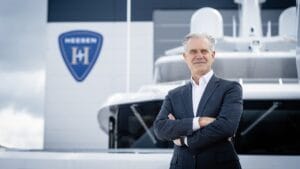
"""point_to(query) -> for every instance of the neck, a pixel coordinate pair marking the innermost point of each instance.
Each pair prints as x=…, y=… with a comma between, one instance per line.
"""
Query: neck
x=196, y=76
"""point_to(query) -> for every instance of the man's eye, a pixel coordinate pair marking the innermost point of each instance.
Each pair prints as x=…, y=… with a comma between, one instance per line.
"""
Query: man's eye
x=193, y=51
x=204, y=51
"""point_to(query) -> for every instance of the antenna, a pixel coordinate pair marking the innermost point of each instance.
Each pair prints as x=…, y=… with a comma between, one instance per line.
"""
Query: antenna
x=269, y=30
x=233, y=27
x=128, y=45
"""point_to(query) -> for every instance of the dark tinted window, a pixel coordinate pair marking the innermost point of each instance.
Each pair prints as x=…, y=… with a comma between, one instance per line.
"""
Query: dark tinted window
x=266, y=127
x=269, y=132
x=133, y=121
x=142, y=10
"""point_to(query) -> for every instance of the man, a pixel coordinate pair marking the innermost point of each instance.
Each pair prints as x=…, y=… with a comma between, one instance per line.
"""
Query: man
x=201, y=116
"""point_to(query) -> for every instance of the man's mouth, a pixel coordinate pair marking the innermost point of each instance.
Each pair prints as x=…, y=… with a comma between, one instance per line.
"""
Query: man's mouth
x=199, y=62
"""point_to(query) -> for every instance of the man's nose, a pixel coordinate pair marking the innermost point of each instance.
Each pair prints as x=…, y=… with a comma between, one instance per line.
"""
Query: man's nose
x=199, y=55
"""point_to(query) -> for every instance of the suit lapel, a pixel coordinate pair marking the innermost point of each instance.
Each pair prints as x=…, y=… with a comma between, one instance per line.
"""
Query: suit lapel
x=209, y=90
x=187, y=100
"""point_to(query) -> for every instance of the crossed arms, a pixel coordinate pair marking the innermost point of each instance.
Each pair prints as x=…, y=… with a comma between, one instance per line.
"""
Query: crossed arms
x=202, y=122
x=211, y=131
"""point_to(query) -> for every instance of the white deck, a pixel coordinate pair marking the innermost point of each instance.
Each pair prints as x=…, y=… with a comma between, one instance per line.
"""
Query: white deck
x=123, y=160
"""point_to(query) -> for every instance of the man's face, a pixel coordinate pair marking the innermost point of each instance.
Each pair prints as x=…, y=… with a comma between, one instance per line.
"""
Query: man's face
x=198, y=56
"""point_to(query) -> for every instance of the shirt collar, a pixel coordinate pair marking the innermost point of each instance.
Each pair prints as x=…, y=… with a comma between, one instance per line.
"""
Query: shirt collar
x=205, y=78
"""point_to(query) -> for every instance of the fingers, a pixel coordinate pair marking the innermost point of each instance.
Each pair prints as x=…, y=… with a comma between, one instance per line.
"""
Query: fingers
x=208, y=119
x=171, y=117
x=177, y=142
x=204, y=121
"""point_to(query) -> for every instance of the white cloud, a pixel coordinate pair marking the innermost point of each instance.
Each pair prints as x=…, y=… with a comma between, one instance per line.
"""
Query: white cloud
x=21, y=109
x=19, y=129
x=22, y=84
x=22, y=64
x=23, y=90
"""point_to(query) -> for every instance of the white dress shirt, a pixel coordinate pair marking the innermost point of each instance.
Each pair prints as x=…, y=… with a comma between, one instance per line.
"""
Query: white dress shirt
x=197, y=93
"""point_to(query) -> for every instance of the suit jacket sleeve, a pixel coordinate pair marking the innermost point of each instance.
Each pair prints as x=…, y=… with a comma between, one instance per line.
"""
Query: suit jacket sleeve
x=168, y=130
x=226, y=122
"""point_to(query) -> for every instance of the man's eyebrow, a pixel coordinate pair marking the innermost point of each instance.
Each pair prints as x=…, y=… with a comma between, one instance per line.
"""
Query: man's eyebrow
x=193, y=50
x=199, y=49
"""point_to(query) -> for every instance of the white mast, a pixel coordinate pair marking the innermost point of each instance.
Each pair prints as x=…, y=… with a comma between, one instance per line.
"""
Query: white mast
x=250, y=18
x=128, y=45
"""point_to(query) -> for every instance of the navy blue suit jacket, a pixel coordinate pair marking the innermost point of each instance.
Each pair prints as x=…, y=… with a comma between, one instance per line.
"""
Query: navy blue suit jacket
x=209, y=146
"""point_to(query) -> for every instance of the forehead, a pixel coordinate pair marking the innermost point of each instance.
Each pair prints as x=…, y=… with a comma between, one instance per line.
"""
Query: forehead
x=198, y=43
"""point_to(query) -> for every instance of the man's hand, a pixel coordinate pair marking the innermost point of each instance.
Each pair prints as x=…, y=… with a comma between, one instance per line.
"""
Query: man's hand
x=171, y=117
x=176, y=141
x=204, y=121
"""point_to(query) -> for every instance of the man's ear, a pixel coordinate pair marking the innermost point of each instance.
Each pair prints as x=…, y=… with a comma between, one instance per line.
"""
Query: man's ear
x=213, y=54
x=183, y=55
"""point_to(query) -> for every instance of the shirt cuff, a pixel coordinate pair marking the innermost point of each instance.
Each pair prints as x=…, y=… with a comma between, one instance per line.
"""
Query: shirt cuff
x=196, y=125
x=185, y=141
